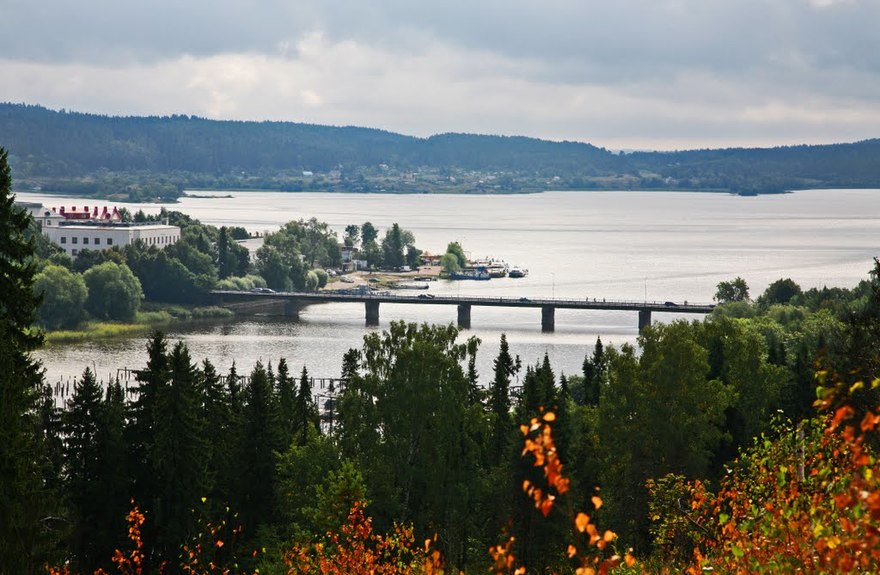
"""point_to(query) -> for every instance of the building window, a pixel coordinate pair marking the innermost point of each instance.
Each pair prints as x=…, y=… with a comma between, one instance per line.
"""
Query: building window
x=86, y=241
x=74, y=240
x=109, y=241
x=63, y=239
x=73, y=252
x=97, y=241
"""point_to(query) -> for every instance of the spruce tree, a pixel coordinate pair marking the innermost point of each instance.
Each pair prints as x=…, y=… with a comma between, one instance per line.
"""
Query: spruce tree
x=499, y=402
x=112, y=481
x=179, y=458
x=594, y=373
x=143, y=422
x=260, y=441
x=305, y=409
x=82, y=462
x=26, y=503
x=220, y=428
x=224, y=265
x=286, y=402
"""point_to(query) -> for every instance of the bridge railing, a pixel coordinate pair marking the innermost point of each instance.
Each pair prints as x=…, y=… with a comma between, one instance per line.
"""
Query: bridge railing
x=474, y=298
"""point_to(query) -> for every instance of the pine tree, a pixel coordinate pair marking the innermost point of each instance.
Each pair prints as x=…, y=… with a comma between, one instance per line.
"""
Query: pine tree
x=26, y=503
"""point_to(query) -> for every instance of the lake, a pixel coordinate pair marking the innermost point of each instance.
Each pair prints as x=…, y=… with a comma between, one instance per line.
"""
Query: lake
x=654, y=246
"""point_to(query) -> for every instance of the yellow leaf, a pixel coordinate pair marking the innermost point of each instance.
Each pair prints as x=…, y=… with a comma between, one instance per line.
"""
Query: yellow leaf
x=597, y=501
x=549, y=416
x=572, y=551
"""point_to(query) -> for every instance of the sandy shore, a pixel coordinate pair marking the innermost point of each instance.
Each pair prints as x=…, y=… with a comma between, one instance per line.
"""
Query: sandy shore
x=382, y=278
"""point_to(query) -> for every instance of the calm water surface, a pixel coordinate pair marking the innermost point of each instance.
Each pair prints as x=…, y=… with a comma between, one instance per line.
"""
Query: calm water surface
x=615, y=245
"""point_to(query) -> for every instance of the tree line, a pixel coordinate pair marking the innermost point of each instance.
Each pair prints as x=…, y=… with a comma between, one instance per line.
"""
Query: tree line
x=148, y=158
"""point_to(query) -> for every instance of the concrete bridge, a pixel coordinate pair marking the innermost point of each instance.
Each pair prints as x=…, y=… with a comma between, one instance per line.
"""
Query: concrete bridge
x=293, y=301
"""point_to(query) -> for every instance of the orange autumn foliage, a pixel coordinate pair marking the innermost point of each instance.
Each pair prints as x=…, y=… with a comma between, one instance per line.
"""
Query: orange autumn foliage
x=357, y=550
x=590, y=545
x=807, y=502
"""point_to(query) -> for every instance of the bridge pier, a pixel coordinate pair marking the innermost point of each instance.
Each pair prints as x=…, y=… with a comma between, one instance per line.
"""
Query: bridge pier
x=548, y=318
x=464, y=315
x=644, y=319
x=372, y=310
x=291, y=308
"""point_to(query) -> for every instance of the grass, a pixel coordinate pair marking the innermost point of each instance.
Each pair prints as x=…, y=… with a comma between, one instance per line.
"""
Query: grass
x=151, y=317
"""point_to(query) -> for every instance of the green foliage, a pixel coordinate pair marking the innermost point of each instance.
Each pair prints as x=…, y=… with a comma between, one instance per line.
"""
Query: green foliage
x=113, y=292
x=84, y=458
x=322, y=276
x=26, y=497
x=449, y=263
x=393, y=247
x=64, y=296
x=262, y=438
x=287, y=255
x=245, y=283
x=734, y=290
x=594, y=375
x=782, y=291
x=659, y=413
x=455, y=249
x=352, y=235
x=411, y=386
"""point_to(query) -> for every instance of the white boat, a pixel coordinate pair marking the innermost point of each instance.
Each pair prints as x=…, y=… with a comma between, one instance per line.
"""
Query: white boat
x=516, y=272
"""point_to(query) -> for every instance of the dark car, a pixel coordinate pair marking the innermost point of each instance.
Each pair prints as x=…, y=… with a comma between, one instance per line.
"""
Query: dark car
x=670, y=304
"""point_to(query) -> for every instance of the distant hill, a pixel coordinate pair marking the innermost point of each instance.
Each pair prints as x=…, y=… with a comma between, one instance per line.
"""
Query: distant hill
x=141, y=158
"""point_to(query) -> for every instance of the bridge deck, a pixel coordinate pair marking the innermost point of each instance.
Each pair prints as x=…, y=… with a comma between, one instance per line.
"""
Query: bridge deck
x=620, y=305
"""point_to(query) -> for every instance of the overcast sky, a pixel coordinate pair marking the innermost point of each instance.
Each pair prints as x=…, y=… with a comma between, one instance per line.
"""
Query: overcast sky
x=630, y=74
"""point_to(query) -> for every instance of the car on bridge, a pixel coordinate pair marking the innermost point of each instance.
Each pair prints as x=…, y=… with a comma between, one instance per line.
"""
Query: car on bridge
x=426, y=296
x=262, y=290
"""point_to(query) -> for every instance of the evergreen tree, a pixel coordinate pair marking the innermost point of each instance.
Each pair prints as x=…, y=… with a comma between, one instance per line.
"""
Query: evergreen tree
x=220, y=425
x=499, y=402
x=594, y=374
x=225, y=264
x=26, y=503
x=82, y=461
x=286, y=402
x=261, y=439
x=112, y=481
x=141, y=435
x=179, y=458
x=305, y=409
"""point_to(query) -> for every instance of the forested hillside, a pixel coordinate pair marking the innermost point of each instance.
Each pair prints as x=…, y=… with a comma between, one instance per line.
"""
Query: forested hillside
x=143, y=158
